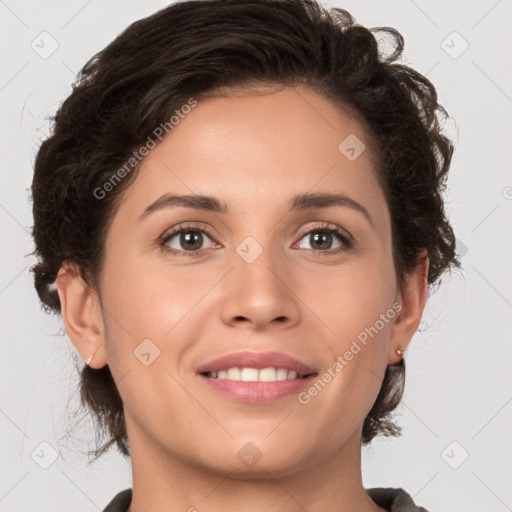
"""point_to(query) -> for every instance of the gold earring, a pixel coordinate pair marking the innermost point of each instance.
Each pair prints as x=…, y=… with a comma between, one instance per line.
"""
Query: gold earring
x=90, y=357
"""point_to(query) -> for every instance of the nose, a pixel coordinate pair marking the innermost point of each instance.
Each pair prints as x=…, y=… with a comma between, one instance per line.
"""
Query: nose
x=259, y=295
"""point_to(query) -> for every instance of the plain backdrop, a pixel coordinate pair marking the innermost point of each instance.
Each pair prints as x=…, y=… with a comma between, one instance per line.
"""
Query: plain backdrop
x=456, y=451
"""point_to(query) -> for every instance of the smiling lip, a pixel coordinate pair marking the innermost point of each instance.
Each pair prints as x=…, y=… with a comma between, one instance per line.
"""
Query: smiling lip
x=256, y=392
x=258, y=360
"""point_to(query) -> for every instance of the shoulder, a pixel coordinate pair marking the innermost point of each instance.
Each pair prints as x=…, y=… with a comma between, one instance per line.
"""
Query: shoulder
x=120, y=502
x=394, y=499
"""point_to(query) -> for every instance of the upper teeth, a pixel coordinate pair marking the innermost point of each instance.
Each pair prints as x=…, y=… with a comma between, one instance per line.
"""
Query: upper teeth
x=255, y=375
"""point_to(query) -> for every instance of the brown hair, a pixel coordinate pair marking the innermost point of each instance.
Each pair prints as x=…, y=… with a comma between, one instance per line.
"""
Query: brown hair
x=193, y=49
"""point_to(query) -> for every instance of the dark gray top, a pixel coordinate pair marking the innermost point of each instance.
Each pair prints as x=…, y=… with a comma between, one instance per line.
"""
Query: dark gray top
x=389, y=498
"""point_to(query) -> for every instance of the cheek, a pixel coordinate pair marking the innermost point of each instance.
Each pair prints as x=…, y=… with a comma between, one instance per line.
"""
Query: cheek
x=152, y=302
x=149, y=328
x=357, y=305
x=353, y=298
x=148, y=298
x=348, y=384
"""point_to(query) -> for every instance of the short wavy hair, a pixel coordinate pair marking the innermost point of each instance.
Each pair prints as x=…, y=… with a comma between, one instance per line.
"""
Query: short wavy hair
x=200, y=47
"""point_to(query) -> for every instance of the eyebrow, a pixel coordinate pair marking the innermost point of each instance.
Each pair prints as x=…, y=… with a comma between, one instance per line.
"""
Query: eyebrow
x=299, y=202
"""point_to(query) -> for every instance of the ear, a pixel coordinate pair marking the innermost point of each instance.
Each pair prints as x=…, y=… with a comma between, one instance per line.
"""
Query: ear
x=81, y=313
x=412, y=298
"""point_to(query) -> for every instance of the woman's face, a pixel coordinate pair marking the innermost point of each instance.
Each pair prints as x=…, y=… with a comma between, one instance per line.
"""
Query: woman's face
x=256, y=286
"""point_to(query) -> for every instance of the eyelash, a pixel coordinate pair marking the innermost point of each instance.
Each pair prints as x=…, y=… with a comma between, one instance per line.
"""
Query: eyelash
x=323, y=228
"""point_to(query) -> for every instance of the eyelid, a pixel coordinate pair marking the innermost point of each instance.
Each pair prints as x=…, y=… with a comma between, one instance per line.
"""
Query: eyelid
x=182, y=226
x=323, y=225
x=345, y=238
x=185, y=226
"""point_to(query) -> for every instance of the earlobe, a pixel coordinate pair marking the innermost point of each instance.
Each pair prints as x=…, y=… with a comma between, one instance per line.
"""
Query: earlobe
x=412, y=299
x=81, y=314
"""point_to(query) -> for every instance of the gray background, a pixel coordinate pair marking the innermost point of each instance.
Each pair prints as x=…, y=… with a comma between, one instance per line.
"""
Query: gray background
x=458, y=394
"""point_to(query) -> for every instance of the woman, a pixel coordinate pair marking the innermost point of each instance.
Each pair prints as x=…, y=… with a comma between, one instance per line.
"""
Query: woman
x=238, y=216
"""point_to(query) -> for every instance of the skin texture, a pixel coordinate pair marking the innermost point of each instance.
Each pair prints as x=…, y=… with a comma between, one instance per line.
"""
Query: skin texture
x=254, y=152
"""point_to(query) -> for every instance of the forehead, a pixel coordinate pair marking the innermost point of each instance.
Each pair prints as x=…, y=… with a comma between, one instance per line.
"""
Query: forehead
x=260, y=148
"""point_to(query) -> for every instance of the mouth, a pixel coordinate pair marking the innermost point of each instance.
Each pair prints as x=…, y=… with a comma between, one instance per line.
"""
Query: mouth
x=256, y=367
x=269, y=374
x=256, y=377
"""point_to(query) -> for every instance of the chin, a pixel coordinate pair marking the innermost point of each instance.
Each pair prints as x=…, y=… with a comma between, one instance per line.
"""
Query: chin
x=262, y=458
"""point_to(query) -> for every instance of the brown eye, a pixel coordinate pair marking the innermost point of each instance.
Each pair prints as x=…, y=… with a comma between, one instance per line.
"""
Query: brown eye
x=192, y=240
x=326, y=240
x=321, y=240
x=186, y=240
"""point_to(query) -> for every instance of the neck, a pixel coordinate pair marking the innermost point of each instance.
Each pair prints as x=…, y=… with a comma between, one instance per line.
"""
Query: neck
x=162, y=483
